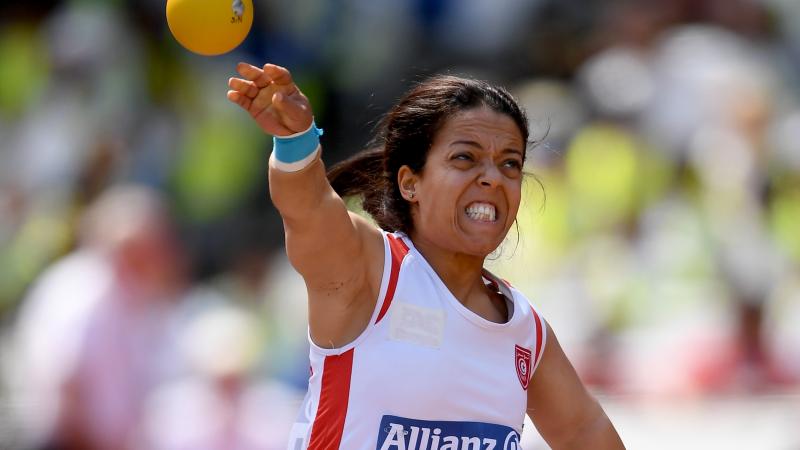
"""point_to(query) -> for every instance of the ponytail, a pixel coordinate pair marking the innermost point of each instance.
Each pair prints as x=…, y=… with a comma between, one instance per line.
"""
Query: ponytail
x=364, y=175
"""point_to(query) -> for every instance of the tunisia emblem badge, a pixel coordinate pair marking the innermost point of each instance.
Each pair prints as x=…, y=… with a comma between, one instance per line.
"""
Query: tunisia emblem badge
x=522, y=360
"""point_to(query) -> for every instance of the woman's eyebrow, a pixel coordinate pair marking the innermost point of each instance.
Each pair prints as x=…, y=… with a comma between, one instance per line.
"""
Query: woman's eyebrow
x=514, y=151
x=470, y=143
x=480, y=147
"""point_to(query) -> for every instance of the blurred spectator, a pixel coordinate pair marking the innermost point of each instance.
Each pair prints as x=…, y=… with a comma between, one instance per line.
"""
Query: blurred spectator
x=90, y=340
x=220, y=404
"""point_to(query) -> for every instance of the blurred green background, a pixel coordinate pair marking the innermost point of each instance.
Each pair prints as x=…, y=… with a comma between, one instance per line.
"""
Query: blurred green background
x=145, y=298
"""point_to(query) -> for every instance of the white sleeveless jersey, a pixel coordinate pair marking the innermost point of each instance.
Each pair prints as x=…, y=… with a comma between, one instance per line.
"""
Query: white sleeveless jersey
x=426, y=374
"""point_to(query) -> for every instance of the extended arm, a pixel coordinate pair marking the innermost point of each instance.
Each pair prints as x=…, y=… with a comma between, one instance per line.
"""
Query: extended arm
x=339, y=254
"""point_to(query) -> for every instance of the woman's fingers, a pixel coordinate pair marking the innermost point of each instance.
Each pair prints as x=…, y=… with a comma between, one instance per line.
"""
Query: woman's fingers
x=279, y=75
x=246, y=87
x=248, y=96
x=270, y=96
x=254, y=74
x=240, y=99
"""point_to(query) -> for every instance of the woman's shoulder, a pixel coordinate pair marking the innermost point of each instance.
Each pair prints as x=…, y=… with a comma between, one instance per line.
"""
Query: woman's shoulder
x=520, y=299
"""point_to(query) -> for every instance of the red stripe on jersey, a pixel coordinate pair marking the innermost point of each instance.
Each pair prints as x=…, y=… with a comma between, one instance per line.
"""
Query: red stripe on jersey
x=399, y=251
x=326, y=433
x=538, y=322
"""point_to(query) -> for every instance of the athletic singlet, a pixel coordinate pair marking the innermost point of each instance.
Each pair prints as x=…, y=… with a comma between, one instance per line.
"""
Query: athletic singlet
x=427, y=373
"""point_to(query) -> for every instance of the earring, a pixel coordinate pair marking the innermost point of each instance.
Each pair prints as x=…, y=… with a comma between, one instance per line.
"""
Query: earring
x=411, y=195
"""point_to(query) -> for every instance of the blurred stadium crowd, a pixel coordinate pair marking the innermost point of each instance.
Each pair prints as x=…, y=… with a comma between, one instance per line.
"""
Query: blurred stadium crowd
x=145, y=299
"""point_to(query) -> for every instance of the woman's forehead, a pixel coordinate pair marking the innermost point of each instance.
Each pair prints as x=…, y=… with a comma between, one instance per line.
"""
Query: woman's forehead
x=479, y=124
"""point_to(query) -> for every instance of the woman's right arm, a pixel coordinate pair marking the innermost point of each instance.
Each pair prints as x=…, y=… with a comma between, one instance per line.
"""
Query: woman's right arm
x=338, y=253
x=566, y=415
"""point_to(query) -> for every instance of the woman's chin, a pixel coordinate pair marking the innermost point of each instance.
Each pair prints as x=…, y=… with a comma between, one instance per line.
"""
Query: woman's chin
x=480, y=247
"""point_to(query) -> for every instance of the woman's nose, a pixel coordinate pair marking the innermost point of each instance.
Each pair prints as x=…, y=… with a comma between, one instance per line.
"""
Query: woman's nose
x=490, y=177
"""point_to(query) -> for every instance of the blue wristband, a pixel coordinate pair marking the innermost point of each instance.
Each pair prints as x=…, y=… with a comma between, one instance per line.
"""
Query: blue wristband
x=297, y=147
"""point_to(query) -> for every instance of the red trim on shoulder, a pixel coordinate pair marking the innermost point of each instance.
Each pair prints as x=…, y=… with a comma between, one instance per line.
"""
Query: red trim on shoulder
x=399, y=251
x=328, y=427
x=539, y=332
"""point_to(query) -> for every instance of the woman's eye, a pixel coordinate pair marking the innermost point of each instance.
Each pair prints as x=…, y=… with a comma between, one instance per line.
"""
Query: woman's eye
x=463, y=157
x=513, y=163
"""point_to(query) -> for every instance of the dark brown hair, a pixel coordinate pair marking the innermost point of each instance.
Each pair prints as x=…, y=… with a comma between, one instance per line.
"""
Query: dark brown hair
x=405, y=136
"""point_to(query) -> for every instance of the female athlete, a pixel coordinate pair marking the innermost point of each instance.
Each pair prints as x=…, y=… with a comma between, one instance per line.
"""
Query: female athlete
x=414, y=345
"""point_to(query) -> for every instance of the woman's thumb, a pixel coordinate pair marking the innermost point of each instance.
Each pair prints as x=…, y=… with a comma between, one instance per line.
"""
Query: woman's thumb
x=292, y=112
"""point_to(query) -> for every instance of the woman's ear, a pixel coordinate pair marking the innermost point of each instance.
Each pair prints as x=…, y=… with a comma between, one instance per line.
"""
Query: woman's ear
x=407, y=180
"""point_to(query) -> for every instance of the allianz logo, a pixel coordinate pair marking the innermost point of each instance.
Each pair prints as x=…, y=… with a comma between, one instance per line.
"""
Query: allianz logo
x=399, y=436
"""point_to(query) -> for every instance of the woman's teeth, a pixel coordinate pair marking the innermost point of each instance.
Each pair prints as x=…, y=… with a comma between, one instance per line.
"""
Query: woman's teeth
x=484, y=212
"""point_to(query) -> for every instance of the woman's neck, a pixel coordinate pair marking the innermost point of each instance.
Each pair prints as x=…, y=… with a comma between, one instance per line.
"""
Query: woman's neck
x=461, y=273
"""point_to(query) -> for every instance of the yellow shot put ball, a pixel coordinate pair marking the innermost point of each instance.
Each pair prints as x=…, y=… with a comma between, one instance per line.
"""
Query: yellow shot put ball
x=210, y=27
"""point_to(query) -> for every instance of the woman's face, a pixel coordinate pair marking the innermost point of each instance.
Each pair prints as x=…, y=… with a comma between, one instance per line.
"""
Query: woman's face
x=467, y=195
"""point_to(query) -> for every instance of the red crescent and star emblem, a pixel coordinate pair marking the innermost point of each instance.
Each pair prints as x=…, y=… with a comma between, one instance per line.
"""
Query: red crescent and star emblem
x=522, y=361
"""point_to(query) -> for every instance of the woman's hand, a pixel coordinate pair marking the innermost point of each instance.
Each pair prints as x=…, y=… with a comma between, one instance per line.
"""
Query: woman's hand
x=271, y=98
